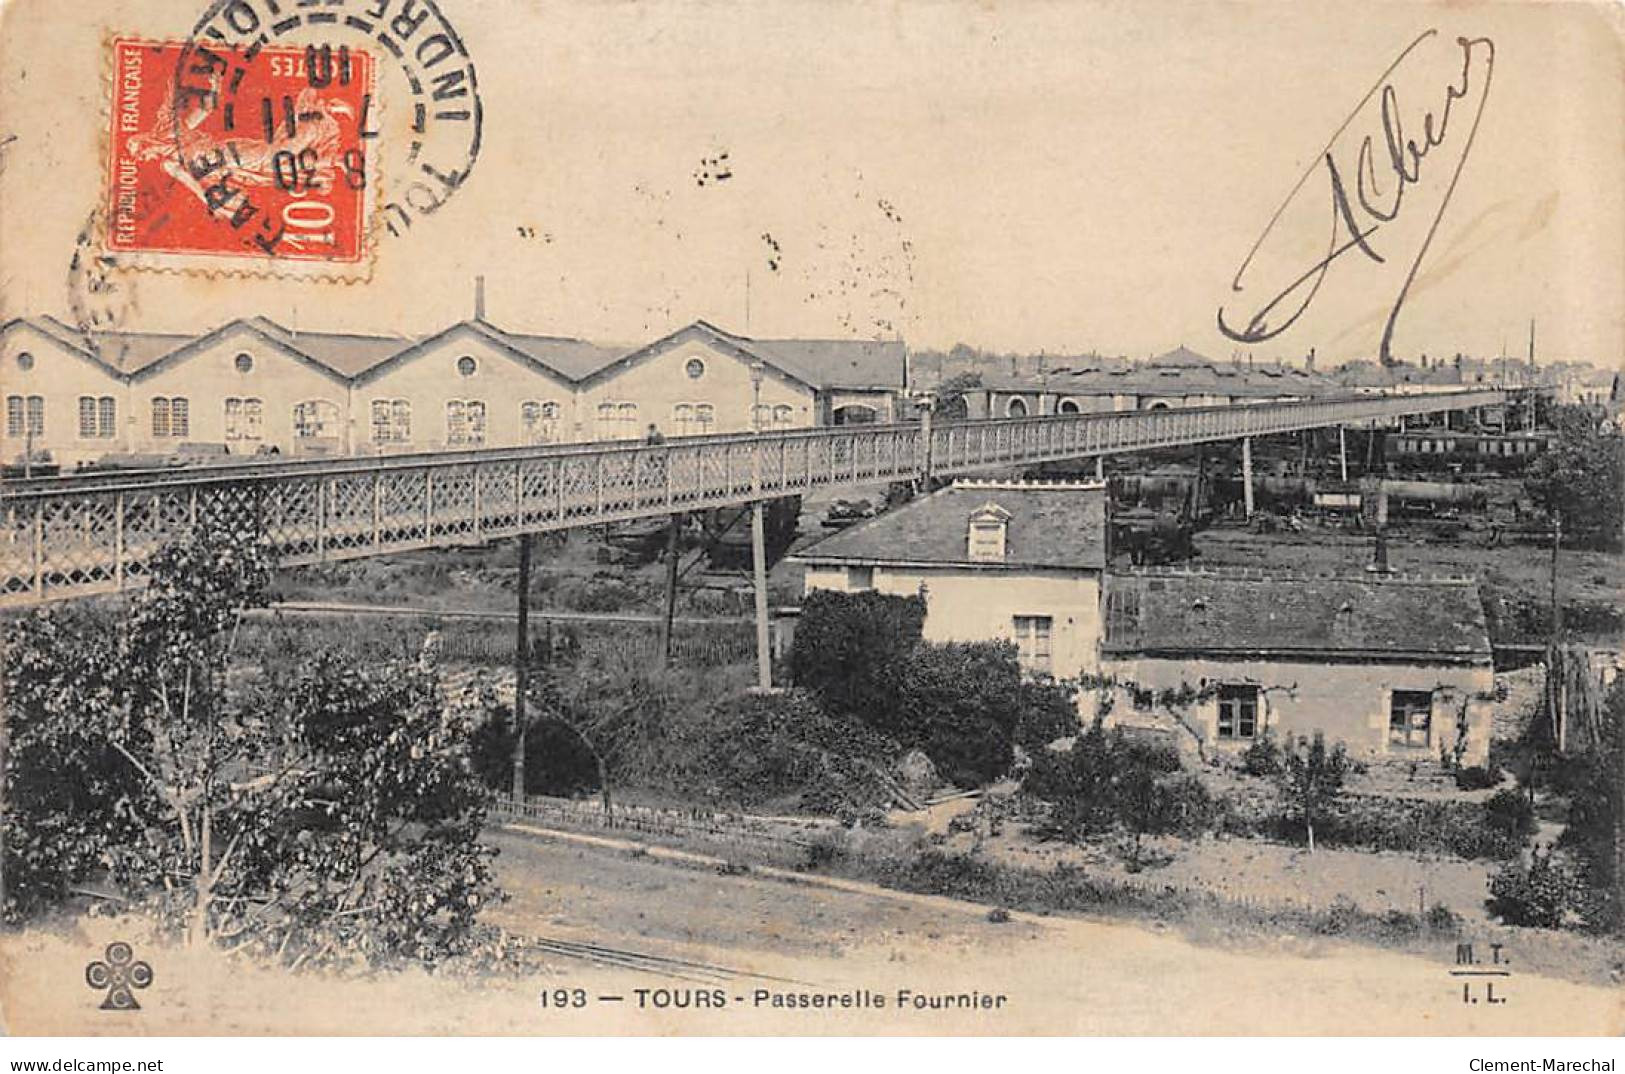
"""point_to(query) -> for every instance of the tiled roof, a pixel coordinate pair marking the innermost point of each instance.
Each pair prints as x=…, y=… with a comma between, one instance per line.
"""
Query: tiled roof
x=1051, y=525
x=1240, y=613
x=839, y=363
x=344, y=353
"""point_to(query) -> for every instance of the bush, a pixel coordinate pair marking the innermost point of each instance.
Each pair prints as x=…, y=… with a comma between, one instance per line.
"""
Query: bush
x=1509, y=814
x=1538, y=895
x=1476, y=778
x=763, y=748
x=850, y=651
x=1263, y=757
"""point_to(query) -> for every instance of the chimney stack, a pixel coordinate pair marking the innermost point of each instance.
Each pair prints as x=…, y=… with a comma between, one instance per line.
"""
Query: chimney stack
x=479, y=298
x=1310, y=363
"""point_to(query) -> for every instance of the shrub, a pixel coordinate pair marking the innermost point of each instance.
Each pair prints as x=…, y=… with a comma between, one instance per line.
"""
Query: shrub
x=1441, y=919
x=1539, y=894
x=1311, y=779
x=1263, y=757
x=850, y=651
x=1476, y=778
x=1509, y=813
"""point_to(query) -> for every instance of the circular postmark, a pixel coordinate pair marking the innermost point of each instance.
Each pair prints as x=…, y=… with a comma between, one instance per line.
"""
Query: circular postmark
x=278, y=139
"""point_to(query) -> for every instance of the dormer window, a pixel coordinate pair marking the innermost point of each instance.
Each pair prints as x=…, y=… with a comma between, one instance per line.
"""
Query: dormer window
x=986, y=540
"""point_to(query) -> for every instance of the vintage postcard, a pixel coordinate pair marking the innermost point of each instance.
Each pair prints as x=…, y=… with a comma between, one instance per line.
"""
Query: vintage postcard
x=554, y=518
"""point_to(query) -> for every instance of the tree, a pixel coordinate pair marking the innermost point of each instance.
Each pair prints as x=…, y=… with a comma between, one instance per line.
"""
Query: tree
x=1594, y=781
x=330, y=814
x=1311, y=779
x=1152, y=793
x=1078, y=784
x=1581, y=478
x=850, y=650
x=951, y=401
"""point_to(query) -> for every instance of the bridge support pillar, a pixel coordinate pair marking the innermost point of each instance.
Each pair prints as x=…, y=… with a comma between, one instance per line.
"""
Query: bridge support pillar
x=1247, y=474
x=758, y=564
x=521, y=668
x=1100, y=467
x=673, y=531
x=1343, y=453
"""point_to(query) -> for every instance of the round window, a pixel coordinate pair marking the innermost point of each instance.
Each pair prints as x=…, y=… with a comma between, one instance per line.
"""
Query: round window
x=25, y=361
x=695, y=368
x=465, y=366
x=244, y=362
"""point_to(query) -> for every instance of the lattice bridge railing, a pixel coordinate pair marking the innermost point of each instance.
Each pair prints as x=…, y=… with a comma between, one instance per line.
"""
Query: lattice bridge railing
x=80, y=535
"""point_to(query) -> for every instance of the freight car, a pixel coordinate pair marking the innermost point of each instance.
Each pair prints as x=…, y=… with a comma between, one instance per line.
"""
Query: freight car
x=1445, y=449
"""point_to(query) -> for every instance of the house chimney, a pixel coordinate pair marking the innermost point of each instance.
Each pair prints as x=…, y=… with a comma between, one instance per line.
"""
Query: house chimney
x=1309, y=364
x=479, y=298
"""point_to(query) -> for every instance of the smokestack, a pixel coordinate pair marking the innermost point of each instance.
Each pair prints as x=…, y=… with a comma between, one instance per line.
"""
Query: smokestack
x=1309, y=364
x=479, y=298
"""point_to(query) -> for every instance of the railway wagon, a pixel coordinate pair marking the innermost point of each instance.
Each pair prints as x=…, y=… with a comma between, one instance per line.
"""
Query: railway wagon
x=1446, y=449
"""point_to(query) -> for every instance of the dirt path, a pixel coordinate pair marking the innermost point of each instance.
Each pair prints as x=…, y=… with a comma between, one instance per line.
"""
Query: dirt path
x=1055, y=975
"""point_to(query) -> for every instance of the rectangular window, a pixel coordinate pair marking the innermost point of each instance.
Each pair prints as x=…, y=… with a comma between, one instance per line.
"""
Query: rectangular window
x=14, y=415
x=160, y=417
x=1033, y=643
x=97, y=417
x=1238, y=711
x=539, y=422
x=106, y=417
x=315, y=419
x=87, y=417
x=859, y=579
x=1410, y=718
x=243, y=419
x=391, y=421
x=179, y=419
x=465, y=423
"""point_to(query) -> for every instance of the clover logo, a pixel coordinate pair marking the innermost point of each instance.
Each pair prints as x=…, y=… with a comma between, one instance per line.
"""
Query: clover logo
x=120, y=974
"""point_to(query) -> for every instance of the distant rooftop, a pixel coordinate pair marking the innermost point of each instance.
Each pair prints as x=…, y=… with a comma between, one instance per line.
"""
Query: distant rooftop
x=1241, y=614
x=1058, y=524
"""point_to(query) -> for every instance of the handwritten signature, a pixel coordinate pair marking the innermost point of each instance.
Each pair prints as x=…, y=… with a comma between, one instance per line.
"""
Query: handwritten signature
x=1358, y=216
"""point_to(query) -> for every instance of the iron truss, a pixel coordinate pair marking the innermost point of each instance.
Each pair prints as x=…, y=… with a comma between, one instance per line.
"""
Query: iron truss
x=75, y=536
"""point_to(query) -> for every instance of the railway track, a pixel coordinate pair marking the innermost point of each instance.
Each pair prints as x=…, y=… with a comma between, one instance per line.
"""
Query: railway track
x=681, y=969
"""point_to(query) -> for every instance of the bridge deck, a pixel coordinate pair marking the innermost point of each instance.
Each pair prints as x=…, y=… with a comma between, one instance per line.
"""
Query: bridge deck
x=76, y=536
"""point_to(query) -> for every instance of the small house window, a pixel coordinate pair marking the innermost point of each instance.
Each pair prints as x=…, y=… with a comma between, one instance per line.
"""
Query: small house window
x=1410, y=718
x=694, y=368
x=466, y=365
x=97, y=417
x=1016, y=409
x=859, y=579
x=25, y=361
x=1238, y=711
x=244, y=362
x=1033, y=643
x=986, y=540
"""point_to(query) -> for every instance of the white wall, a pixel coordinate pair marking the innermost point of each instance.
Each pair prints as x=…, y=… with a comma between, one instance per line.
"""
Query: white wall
x=966, y=604
x=658, y=382
x=59, y=376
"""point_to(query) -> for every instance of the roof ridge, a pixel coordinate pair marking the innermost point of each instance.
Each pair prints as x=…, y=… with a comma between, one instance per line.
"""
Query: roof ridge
x=1271, y=575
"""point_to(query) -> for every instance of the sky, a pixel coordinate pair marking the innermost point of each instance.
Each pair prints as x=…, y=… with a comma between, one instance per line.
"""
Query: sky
x=1020, y=176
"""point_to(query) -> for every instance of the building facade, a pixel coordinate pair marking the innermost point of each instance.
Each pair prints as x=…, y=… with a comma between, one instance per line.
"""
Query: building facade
x=253, y=387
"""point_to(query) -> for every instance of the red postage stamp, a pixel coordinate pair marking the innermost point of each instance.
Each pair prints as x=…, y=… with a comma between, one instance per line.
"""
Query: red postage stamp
x=261, y=160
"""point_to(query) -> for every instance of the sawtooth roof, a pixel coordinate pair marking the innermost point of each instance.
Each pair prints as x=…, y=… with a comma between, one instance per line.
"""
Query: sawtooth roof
x=1060, y=524
x=1241, y=614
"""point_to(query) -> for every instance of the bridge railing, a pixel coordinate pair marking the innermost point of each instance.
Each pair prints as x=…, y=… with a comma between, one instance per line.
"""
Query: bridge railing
x=74, y=536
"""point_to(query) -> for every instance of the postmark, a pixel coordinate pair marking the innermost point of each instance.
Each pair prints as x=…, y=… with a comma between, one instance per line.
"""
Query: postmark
x=279, y=171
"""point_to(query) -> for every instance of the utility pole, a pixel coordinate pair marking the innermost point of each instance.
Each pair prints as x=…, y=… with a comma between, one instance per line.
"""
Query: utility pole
x=521, y=668
x=1554, y=656
x=758, y=542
